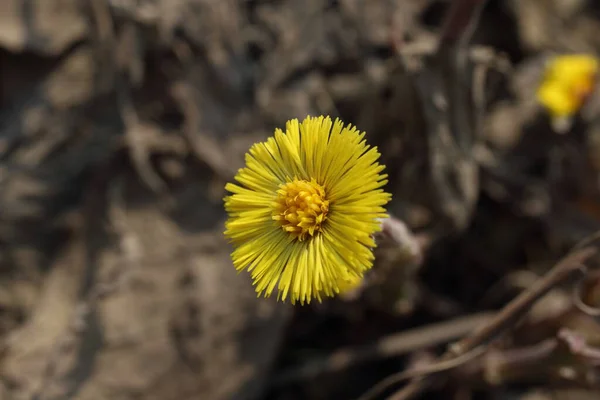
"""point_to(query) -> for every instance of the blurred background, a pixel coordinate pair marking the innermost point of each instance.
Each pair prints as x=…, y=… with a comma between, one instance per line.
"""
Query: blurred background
x=122, y=120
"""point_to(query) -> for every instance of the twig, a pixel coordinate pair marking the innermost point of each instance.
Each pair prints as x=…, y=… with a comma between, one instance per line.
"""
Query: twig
x=568, y=269
x=393, y=345
x=441, y=366
x=543, y=360
x=500, y=366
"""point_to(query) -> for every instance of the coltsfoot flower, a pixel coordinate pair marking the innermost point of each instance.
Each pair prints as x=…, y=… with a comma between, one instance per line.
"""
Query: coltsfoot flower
x=567, y=83
x=305, y=208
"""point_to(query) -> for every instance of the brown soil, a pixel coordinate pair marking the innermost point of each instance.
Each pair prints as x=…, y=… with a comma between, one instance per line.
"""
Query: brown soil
x=121, y=121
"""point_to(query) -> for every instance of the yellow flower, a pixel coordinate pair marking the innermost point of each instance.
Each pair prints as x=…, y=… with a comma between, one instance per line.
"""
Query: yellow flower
x=567, y=82
x=303, y=215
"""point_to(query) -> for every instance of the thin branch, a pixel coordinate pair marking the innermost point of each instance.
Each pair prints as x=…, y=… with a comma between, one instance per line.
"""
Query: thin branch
x=388, y=346
x=569, y=269
x=543, y=360
x=444, y=365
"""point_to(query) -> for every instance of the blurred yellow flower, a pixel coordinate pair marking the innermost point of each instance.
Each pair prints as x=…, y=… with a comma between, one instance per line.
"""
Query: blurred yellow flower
x=567, y=82
x=303, y=215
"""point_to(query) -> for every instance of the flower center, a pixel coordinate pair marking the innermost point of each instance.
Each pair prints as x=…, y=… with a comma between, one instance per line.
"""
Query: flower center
x=301, y=207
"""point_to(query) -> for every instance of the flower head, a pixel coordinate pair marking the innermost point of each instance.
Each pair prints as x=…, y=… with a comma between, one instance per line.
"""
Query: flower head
x=567, y=82
x=305, y=208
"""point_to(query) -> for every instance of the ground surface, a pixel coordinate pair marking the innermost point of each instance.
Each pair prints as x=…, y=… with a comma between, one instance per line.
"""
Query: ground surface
x=121, y=121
